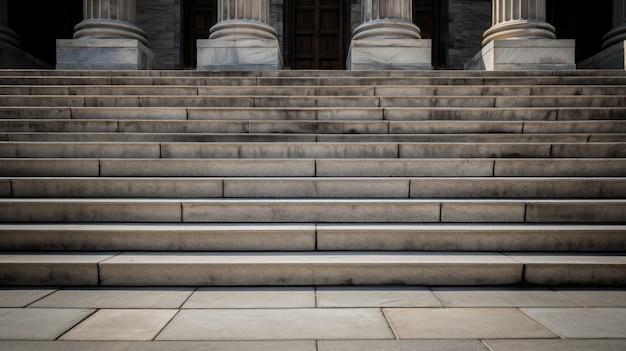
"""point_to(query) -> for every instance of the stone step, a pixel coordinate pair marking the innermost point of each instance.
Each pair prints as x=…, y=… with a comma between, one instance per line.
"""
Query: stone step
x=312, y=101
x=304, y=187
x=344, y=90
x=535, y=167
x=10, y=149
x=312, y=237
x=309, y=268
x=312, y=210
x=311, y=127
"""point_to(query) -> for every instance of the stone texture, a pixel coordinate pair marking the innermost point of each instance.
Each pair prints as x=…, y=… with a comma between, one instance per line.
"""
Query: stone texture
x=38, y=324
x=104, y=54
x=49, y=167
x=404, y=168
x=581, y=323
x=282, y=324
x=341, y=297
x=261, y=297
x=502, y=297
x=401, y=345
x=557, y=345
x=114, y=324
x=308, y=345
x=596, y=297
x=525, y=54
x=574, y=211
x=238, y=54
x=20, y=297
x=116, y=298
x=463, y=323
x=389, y=54
x=481, y=211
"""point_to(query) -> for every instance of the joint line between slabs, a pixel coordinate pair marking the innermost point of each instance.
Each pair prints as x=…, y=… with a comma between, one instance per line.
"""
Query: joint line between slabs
x=389, y=325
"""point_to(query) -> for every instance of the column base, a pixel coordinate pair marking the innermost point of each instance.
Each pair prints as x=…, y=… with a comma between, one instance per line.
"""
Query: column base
x=613, y=57
x=525, y=54
x=238, y=54
x=104, y=54
x=390, y=54
x=14, y=57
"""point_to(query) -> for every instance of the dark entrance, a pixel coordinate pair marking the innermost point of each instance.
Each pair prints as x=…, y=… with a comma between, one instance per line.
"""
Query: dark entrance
x=318, y=34
x=430, y=17
x=198, y=18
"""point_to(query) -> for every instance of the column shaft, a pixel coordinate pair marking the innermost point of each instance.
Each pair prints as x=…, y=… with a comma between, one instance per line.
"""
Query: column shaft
x=518, y=19
x=391, y=19
x=110, y=19
x=618, y=33
x=243, y=19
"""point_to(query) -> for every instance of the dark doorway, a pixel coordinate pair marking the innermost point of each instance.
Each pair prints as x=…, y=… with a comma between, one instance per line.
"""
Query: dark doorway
x=198, y=18
x=40, y=23
x=576, y=19
x=430, y=17
x=318, y=34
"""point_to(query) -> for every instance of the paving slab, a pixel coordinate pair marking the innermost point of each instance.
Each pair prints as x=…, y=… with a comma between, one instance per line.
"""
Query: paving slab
x=463, y=323
x=277, y=324
x=121, y=324
x=501, y=297
x=401, y=345
x=596, y=297
x=376, y=296
x=288, y=345
x=38, y=324
x=252, y=297
x=557, y=345
x=116, y=298
x=22, y=297
x=581, y=323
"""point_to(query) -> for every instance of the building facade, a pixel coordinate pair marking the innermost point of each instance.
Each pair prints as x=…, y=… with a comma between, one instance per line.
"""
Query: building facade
x=311, y=34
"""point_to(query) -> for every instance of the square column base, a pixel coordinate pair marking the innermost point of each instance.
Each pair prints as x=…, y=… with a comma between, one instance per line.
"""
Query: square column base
x=238, y=55
x=525, y=54
x=104, y=54
x=390, y=54
x=613, y=57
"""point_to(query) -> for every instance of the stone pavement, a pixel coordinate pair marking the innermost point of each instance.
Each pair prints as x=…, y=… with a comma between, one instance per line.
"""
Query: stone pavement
x=313, y=318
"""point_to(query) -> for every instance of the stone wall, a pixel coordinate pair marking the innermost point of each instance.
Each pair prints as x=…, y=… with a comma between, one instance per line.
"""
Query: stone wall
x=467, y=21
x=161, y=20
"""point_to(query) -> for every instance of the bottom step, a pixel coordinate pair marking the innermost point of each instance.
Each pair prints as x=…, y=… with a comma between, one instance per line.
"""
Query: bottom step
x=309, y=268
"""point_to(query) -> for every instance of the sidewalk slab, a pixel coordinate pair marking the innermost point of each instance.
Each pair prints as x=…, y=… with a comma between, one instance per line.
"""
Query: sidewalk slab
x=22, y=297
x=121, y=324
x=38, y=324
x=376, y=296
x=582, y=323
x=254, y=297
x=306, y=345
x=596, y=297
x=557, y=345
x=502, y=297
x=463, y=323
x=277, y=324
x=401, y=345
x=159, y=298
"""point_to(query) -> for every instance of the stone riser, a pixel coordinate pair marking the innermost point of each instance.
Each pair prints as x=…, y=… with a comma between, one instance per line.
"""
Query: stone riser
x=318, y=114
x=312, y=210
x=302, y=268
x=509, y=128
x=453, y=188
x=54, y=167
x=308, y=150
x=312, y=237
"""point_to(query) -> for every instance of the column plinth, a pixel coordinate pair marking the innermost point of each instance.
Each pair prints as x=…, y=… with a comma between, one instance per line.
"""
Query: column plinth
x=388, y=38
x=241, y=40
x=521, y=39
x=613, y=54
x=107, y=38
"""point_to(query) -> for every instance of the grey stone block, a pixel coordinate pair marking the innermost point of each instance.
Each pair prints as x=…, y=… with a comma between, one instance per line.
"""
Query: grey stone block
x=465, y=150
x=401, y=345
x=471, y=114
x=454, y=127
x=560, y=168
x=589, y=150
x=481, y=211
x=79, y=150
x=576, y=211
x=525, y=54
x=35, y=112
x=129, y=113
x=104, y=54
x=38, y=324
x=404, y=168
x=23, y=167
x=283, y=345
x=556, y=344
x=580, y=323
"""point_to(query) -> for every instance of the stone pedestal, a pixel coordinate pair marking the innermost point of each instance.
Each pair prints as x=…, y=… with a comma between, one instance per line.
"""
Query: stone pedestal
x=613, y=54
x=242, y=39
x=107, y=39
x=388, y=40
x=521, y=39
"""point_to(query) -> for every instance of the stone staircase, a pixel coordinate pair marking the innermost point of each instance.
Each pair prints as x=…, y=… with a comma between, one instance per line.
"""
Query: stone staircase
x=169, y=178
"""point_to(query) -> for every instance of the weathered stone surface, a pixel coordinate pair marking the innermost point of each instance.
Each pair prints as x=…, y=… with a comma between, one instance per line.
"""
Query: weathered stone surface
x=261, y=297
x=38, y=324
x=581, y=323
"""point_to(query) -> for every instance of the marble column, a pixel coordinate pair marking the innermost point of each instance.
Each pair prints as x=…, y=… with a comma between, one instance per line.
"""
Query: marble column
x=7, y=35
x=11, y=53
x=241, y=40
x=107, y=38
x=388, y=39
x=521, y=39
x=613, y=54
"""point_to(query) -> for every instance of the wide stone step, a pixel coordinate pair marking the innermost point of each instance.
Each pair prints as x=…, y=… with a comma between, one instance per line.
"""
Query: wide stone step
x=542, y=167
x=319, y=187
x=309, y=268
x=371, y=90
x=307, y=150
x=311, y=237
x=317, y=113
x=304, y=127
x=312, y=210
